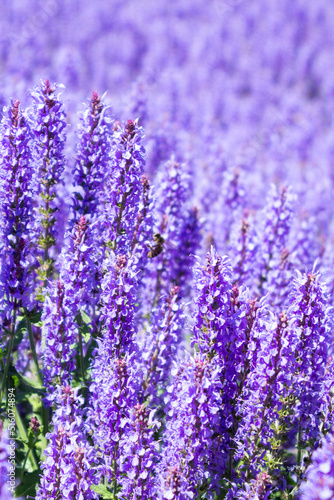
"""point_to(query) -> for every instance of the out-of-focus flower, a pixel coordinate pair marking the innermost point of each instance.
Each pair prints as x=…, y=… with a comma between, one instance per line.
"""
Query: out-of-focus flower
x=319, y=481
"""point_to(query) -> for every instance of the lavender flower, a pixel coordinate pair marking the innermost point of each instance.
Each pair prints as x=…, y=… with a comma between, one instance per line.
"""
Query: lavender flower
x=144, y=226
x=319, y=482
x=243, y=250
x=168, y=266
x=188, y=246
x=191, y=456
x=115, y=384
x=229, y=205
x=160, y=345
x=48, y=123
x=16, y=194
x=7, y=464
x=93, y=151
x=266, y=391
x=278, y=215
x=312, y=320
x=138, y=103
x=139, y=454
x=118, y=300
x=256, y=489
x=69, y=467
x=212, y=301
x=114, y=391
x=65, y=299
x=123, y=188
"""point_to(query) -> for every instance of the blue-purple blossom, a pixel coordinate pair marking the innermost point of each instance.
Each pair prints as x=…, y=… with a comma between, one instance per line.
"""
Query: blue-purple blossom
x=312, y=319
x=113, y=392
x=263, y=399
x=169, y=267
x=65, y=299
x=138, y=454
x=93, y=154
x=160, y=345
x=7, y=464
x=48, y=122
x=191, y=453
x=123, y=188
x=319, y=481
x=256, y=489
x=229, y=206
x=144, y=226
x=16, y=199
x=115, y=379
x=278, y=215
x=69, y=469
x=118, y=301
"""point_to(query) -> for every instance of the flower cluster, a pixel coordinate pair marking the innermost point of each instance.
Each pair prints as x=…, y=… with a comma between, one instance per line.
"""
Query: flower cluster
x=16, y=201
x=166, y=249
x=320, y=475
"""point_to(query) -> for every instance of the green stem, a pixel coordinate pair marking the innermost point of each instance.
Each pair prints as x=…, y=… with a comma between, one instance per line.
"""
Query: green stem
x=26, y=458
x=24, y=437
x=45, y=419
x=33, y=348
x=299, y=452
x=115, y=483
x=81, y=356
x=9, y=352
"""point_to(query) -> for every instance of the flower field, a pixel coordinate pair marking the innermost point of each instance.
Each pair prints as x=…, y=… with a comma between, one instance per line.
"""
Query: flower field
x=167, y=250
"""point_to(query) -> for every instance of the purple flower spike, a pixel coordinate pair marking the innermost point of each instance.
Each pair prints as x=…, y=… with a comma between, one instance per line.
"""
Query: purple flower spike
x=138, y=454
x=144, y=225
x=93, y=152
x=257, y=489
x=69, y=469
x=266, y=388
x=178, y=229
x=278, y=215
x=161, y=344
x=313, y=320
x=123, y=188
x=118, y=300
x=213, y=290
x=188, y=246
x=192, y=451
x=66, y=298
x=7, y=462
x=114, y=391
x=49, y=126
x=16, y=193
x=319, y=483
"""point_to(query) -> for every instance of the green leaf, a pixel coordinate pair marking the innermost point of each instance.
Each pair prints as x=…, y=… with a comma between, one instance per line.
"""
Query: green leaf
x=102, y=490
x=20, y=329
x=35, y=318
x=85, y=318
x=28, y=485
x=26, y=384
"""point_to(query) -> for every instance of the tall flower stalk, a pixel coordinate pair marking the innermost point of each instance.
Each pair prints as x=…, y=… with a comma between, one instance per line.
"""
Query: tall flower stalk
x=16, y=198
x=48, y=120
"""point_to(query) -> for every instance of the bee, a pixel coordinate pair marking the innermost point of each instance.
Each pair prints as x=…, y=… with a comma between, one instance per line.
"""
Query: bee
x=158, y=247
